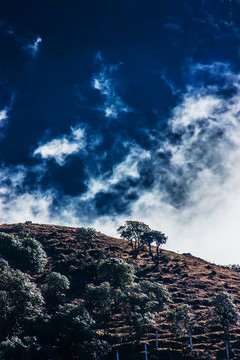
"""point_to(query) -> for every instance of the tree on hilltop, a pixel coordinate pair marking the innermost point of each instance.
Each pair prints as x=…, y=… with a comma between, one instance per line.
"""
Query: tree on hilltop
x=154, y=237
x=138, y=233
x=133, y=231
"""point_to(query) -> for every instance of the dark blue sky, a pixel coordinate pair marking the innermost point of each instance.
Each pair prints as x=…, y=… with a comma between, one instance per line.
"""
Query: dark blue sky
x=117, y=109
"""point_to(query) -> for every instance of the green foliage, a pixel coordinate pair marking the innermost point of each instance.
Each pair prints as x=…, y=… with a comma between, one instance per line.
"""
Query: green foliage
x=156, y=292
x=20, y=299
x=145, y=296
x=116, y=271
x=225, y=310
x=26, y=348
x=180, y=320
x=33, y=254
x=73, y=323
x=138, y=233
x=86, y=236
x=140, y=303
x=55, y=286
x=143, y=322
x=98, y=297
x=154, y=237
x=95, y=349
x=26, y=254
x=133, y=232
x=99, y=302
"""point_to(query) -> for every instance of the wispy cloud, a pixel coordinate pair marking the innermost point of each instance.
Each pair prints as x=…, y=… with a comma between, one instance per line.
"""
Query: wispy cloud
x=169, y=83
x=127, y=169
x=30, y=46
x=33, y=47
x=59, y=149
x=105, y=83
x=3, y=116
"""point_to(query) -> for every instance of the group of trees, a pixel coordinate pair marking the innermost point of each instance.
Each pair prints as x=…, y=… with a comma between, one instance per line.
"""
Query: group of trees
x=36, y=320
x=224, y=312
x=139, y=234
x=119, y=293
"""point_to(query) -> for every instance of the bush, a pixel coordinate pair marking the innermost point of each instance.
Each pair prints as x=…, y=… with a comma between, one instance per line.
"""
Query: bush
x=116, y=271
x=26, y=254
x=20, y=299
x=55, y=286
x=27, y=348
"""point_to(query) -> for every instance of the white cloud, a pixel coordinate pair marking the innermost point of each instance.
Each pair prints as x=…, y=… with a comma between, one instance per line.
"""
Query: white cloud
x=205, y=162
x=204, y=168
x=128, y=168
x=106, y=85
x=3, y=115
x=59, y=149
x=33, y=47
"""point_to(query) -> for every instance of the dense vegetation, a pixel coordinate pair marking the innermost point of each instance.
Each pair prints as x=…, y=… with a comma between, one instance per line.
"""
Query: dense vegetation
x=82, y=296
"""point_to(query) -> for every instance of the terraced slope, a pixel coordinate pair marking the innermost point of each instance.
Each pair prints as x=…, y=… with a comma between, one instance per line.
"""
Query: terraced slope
x=190, y=280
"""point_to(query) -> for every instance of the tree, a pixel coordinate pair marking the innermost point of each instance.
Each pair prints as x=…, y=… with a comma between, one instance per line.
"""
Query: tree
x=34, y=258
x=154, y=237
x=25, y=348
x=26, y=254
x=20, y=299
x=181, y=321
x=160, y=239
x=98, y=300
x=55, y=286
x=75, y=338
x=157, y=293
x=140, y=303
x=86, y=236
x=226, y=313
x=116, y=271
x=133, y=231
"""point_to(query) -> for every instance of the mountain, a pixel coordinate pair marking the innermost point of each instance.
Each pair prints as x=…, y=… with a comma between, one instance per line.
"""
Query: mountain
x=188, y=279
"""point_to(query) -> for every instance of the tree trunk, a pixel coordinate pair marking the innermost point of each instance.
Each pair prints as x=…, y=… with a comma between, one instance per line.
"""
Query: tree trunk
x=150, y=250
x=157, y=254
x=190, y=338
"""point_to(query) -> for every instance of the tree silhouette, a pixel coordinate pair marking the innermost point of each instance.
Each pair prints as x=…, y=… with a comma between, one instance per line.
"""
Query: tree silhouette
x=133, y=231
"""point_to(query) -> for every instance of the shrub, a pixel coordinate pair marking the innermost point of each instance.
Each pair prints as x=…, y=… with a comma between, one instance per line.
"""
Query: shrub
x=116, y=271
x=55, y=286
x=20, y=299
x=26, y=254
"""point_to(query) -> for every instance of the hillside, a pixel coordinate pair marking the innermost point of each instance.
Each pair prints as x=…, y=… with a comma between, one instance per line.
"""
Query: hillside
x=189, y=280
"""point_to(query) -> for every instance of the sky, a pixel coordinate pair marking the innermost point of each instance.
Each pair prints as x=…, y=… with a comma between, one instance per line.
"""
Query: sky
x=123, y=110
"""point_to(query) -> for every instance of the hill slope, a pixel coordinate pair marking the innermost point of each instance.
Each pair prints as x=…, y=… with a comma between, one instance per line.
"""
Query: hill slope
x=189, y=280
